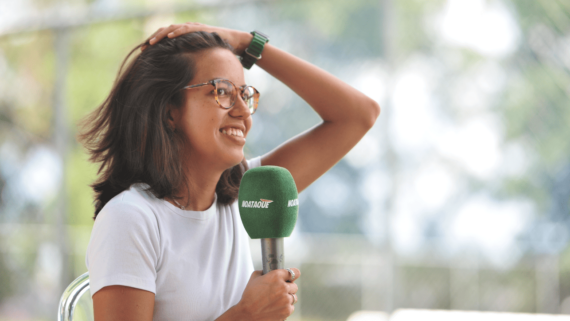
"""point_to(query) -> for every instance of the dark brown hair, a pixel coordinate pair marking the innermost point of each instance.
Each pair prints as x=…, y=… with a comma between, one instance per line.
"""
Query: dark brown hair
x=129, y=133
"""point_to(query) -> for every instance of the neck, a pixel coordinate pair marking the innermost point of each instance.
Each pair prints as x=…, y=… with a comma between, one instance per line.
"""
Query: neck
x=200, y=192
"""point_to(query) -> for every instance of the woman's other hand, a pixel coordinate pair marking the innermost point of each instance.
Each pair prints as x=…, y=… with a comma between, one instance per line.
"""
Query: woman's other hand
x=269, y=297
x=238, y=39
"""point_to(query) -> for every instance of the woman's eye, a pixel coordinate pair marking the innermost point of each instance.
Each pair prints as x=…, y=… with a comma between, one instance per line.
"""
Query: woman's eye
x=222, y=92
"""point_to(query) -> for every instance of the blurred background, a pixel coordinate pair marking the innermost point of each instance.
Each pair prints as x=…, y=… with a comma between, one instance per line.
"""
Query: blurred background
x=457, y=199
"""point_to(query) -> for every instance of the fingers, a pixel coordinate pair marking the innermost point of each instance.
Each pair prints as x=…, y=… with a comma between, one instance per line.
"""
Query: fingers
x=291, y=278
x=162, y=32
x=294, y=298
x=143, y=47
x=255, y=274
x=186, y=28
x=155, y=33
x=152, y=39
x=180, y=31
x=292, y=288
x=269, y=294
x=283, y=274
x=175, y=30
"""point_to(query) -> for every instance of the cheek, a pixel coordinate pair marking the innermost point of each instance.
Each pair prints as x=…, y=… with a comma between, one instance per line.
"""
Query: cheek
x=201, y=124
x=249, y=124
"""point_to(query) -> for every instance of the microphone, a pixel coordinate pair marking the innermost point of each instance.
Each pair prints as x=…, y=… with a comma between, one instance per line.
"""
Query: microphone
x=268, y=206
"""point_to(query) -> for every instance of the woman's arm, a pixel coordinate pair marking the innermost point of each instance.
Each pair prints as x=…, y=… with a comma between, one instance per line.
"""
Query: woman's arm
x=123, y=303
x=347, y=113
x=266, y=297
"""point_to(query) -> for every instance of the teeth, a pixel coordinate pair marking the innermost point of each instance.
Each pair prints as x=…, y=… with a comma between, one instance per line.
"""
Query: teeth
x=233, y=131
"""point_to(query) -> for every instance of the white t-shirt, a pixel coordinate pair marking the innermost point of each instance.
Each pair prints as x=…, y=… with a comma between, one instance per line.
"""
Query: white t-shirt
x=196, y=263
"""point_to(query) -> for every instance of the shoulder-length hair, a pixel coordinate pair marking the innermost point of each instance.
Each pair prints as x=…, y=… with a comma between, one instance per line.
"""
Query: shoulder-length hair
x=129, y=133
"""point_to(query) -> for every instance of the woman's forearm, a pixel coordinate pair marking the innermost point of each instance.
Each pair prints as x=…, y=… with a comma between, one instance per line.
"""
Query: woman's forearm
x=347, y=116
x=331, y=98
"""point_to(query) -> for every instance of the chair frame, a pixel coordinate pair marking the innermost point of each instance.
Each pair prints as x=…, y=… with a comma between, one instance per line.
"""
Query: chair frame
x=71, y=296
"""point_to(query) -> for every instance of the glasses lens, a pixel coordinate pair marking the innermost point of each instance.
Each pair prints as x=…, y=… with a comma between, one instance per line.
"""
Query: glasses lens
x=225, y=93
x=251, y=98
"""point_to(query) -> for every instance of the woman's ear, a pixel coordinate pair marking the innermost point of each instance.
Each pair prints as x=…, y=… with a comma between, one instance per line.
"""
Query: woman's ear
x=169, y=111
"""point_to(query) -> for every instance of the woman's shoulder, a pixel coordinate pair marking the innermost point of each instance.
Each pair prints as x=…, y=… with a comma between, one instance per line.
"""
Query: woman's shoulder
x=135, y=203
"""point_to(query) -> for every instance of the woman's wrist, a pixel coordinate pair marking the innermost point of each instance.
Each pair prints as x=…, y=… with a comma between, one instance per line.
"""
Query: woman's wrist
x=244, y=39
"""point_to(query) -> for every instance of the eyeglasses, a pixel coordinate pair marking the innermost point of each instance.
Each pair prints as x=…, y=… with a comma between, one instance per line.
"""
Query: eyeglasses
x=226, y=94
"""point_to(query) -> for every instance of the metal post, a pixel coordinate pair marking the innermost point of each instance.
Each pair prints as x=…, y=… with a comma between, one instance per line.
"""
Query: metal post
x=60, y=141
x=387, y=31
x=547, y=284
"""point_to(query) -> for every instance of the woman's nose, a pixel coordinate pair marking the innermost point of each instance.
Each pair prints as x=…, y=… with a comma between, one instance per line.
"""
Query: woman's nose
x=240, y=108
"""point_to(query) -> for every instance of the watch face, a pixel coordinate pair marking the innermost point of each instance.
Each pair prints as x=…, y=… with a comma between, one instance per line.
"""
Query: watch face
x=261, y=34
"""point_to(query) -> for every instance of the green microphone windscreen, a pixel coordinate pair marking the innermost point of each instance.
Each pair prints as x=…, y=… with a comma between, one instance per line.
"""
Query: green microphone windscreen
x=268, y=202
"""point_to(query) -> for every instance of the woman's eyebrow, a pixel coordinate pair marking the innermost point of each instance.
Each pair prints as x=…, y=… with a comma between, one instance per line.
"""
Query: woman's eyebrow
x=227, y=79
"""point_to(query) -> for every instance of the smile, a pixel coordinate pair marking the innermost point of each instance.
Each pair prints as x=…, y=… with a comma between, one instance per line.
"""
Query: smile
x=232, y=132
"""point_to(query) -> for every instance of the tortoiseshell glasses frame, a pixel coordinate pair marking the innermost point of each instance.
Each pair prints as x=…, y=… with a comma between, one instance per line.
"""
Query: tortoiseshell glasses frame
x=225, y=93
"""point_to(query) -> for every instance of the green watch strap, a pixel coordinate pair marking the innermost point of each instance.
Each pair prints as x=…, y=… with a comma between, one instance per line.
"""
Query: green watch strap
x=253, y=52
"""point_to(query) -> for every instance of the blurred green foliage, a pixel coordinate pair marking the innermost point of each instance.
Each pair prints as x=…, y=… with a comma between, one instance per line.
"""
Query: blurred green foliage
x=533, y=109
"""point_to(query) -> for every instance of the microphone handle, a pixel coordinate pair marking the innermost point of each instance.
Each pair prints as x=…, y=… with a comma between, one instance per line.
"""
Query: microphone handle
x=272, y=254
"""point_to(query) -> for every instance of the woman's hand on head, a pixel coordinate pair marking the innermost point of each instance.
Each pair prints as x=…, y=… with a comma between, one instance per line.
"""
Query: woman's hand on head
x=270, y=296
x=238, y=39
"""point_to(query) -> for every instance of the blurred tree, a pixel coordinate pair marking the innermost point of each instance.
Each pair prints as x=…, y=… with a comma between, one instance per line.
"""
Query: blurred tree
x=535, y=109
x=338, y=36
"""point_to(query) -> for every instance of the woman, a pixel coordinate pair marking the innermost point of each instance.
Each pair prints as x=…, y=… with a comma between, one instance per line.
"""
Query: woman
x=168, y=243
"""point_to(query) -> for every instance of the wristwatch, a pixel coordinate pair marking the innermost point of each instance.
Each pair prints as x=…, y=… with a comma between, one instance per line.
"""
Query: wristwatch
x=253, y=52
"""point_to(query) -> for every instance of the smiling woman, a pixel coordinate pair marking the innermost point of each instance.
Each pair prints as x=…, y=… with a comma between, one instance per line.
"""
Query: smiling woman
x=168, y=242
x=132, y=133
x=213, y=108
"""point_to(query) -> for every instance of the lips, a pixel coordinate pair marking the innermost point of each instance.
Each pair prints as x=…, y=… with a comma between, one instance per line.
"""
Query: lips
x=231, y=131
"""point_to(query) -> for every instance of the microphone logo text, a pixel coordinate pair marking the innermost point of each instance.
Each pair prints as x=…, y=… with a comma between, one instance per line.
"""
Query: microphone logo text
x=292, y=203
x=263, y=203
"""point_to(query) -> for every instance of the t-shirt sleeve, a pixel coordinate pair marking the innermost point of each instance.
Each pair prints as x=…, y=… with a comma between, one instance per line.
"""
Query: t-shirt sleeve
x=254, y=162
x=124, y=247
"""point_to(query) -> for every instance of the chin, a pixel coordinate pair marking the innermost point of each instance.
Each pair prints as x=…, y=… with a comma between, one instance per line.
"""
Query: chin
x=234, y=159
